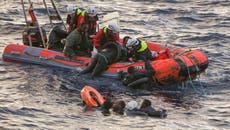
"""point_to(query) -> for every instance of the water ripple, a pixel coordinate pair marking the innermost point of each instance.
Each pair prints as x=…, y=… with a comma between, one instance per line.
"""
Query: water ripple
x=16, y=112
x=40, y=97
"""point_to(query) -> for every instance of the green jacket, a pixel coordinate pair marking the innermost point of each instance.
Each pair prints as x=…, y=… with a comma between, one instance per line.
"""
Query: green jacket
x=73, y=43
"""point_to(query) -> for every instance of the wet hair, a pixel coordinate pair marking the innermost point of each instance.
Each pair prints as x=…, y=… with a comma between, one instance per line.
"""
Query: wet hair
x=145, y=103
x=107, y=104
x=118, y=107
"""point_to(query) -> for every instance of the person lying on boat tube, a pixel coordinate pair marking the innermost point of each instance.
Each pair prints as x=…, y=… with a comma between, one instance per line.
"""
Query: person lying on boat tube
x=138, y=49
x=77, y=43
x=106, y=35
x=109, y=53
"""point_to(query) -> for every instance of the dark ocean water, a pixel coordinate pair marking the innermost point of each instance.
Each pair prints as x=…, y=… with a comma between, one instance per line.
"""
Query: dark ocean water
x=39, y=97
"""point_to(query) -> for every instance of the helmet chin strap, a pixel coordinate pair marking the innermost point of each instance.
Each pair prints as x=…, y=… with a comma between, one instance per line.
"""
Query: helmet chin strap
x=138, y=46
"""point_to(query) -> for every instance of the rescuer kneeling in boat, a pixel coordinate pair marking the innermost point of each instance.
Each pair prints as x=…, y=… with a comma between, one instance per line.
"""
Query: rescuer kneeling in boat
x=109, y=53
x=77, y=43
x=138, y=50
x=106, y=35
x=90, y=17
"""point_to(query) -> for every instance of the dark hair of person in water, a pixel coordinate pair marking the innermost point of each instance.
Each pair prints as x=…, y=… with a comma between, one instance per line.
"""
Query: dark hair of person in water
x=118, y=107
x=145, y=103
x=106, y=106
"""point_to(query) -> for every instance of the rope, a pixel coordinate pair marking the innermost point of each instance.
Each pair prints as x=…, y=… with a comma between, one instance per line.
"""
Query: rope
x=190, y=80
x=198, y=77
x=201, y=86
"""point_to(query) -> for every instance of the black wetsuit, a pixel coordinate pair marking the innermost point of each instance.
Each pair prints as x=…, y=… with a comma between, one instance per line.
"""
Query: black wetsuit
x=54, y=39
x=147, y=111
x=109, y=54
x=137, y=79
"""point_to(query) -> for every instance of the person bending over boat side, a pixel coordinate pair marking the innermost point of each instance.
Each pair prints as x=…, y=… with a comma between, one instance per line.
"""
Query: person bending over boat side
x=110, y=52
x=76, y=43
x=106, y=35
x=138, y=50
x=55, y=36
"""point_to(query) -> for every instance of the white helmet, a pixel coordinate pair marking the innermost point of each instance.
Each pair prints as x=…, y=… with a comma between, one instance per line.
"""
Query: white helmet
x=113, y=27
x=91, y=11
x=132, y=42
x=132, y=105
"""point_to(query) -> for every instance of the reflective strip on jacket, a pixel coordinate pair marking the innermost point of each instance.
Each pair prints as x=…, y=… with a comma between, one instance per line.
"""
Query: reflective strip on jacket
x=83, y=18
x=143, y=46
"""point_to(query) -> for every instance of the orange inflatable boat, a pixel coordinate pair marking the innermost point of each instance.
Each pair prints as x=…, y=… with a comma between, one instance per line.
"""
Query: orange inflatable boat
x=171, y=65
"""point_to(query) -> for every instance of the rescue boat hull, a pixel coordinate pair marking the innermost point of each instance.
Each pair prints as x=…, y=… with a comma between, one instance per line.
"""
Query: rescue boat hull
x=170, y=66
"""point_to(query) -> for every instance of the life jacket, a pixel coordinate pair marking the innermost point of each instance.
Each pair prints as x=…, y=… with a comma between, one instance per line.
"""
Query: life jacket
x=83, y=18
x=141, y=52
x=105, y=37
x=143, y=46
x=72, y=19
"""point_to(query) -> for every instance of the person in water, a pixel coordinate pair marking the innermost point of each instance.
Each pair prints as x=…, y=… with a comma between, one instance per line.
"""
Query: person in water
x=131, y=109
x=76, y=43
x=138, y=50
x=139, y=79
x=145, y=109
x=109, y=53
